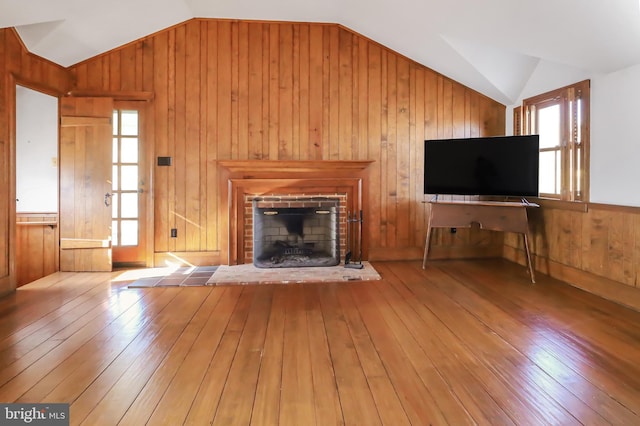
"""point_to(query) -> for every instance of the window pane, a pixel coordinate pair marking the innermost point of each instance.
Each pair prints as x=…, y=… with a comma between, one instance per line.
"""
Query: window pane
x=578, y=172
x=129, y=123
x=129, y=150
x=114, y=232
x=579, y=119
x=129, y=176
x=115, y=150
x=129, y=233
x=114, y=178
x=549, y=126
x=548, y=170
x=114, y=206
x=115, y=123
x=558, y=173
x=129, y=207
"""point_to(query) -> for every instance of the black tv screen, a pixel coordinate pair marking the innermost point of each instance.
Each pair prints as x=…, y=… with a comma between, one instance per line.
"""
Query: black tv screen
x=500, y=166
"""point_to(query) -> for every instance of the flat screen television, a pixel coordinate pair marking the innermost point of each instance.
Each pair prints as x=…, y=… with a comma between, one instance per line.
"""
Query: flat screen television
x=493, y=166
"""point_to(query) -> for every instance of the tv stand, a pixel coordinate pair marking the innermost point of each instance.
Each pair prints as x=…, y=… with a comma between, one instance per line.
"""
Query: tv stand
x=491, y=215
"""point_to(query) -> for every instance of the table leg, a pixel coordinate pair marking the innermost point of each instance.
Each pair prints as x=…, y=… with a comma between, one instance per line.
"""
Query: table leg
x=426, y=247
x=526, y=248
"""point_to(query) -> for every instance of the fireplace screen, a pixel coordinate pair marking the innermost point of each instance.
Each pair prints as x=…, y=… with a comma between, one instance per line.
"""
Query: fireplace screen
x=303, y=234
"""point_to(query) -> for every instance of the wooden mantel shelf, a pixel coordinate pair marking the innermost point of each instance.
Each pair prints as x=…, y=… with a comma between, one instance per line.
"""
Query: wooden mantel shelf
x=293, y=166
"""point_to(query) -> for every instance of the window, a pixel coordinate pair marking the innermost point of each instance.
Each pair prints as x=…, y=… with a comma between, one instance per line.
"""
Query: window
x=561, y=118
x=125, y=217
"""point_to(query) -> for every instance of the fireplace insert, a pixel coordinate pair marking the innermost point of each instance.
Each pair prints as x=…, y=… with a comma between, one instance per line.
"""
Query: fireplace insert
x=301, y=233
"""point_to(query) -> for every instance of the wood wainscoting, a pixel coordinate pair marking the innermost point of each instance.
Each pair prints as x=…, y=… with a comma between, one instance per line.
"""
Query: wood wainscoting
x=36, y=245
x=592, y=246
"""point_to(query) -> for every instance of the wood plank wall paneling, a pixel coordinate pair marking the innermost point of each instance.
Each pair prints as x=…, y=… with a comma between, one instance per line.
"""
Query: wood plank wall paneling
x=37, y=253
x=287, y=91
x=5, y=169
x=17, y=65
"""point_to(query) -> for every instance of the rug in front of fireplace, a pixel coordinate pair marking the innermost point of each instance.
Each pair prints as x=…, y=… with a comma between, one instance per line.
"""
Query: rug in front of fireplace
x=250, y=274
x=170, y=277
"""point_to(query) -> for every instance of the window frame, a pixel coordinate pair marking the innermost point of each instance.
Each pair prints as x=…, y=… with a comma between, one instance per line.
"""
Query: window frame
x=574, y=140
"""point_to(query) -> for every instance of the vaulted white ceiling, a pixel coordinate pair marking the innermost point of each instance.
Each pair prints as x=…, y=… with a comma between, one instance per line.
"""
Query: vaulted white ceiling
x=492, y=46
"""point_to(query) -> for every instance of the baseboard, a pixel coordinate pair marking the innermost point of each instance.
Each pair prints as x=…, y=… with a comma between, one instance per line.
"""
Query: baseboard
x=406, y=253
x=6, y=285
x=416, y=253
x=608, y=289
x=190, y=258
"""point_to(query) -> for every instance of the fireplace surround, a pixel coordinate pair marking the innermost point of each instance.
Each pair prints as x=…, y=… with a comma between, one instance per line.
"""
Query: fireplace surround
x=243, y=180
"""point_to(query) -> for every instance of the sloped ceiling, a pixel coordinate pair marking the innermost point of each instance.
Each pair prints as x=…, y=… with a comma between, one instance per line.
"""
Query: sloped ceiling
x=492, y=46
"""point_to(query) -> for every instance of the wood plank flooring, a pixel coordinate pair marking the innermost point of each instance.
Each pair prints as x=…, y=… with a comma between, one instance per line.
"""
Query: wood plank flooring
x=463, y=342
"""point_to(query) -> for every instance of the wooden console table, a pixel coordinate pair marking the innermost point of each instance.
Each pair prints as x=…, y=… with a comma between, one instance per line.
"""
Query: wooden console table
x=491, y=215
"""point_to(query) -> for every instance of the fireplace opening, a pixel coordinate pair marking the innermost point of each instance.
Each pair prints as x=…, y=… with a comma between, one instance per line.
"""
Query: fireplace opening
x=304, y=233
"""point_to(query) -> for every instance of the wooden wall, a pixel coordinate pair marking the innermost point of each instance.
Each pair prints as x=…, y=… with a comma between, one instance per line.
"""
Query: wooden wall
x=37, y=246
x=593, y=246
x=17, y=66
x=237, y=90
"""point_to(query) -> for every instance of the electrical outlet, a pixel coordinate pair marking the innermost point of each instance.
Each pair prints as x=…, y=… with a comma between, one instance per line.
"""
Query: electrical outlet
x=174, y=233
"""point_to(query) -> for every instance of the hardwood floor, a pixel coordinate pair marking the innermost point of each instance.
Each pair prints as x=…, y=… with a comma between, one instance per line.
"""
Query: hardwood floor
x=463, y=342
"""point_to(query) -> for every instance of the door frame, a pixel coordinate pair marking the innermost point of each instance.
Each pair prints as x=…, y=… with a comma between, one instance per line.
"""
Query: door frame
x=8, y=283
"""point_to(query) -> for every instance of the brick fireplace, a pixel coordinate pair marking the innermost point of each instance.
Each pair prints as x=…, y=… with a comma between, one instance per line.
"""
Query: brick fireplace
x=243, y=181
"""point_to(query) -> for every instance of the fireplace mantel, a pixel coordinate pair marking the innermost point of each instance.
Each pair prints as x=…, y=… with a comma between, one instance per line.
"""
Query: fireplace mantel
x=239, y=178
x=249, y=168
